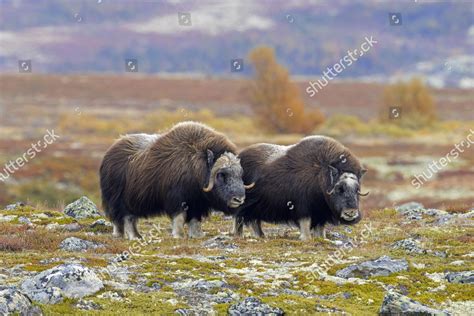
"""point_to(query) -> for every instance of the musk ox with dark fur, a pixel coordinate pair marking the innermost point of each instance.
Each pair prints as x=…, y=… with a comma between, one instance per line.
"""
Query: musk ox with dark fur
x=183, y=173
x=311, y=183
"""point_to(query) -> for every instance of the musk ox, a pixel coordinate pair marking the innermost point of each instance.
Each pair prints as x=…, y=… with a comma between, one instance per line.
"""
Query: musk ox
x=309, y=184
x=183, y=173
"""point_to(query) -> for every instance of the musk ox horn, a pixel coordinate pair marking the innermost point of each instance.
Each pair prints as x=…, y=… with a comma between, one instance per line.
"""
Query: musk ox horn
x=363, y=194
x=331, y=191
x=222, y=162
x=249, y=186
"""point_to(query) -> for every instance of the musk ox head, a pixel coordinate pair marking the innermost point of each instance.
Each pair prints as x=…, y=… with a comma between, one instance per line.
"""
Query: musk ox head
x=225, y=179
x=343, y=195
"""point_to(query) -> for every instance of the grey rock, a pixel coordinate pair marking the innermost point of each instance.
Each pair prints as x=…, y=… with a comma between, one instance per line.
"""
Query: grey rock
x=409, y=207
x=410, y=245
x=7, y=218
x=397, y=304
x=465, y=277
x=13, y=301
x=25, y=220
x=82, y=208
x=73, y=227
x=12, y=207
x=329, y=310
x=77, y=244
x=86, y=305
x=67, y=280
x=382, y=266
x=100, y=223
x=220, y=242
x=253, y=306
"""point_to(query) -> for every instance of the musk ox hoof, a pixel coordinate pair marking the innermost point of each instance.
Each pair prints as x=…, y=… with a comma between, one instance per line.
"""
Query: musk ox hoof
x=305, y=237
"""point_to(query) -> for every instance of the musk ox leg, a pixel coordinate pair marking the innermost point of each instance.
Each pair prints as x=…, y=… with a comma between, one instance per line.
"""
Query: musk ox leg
x=305, y=228
x=319, y=231
x=238, y=227
x=178, y=225
x=256, y=227
x=130, y=223
x=195, y=230
x=118, y=229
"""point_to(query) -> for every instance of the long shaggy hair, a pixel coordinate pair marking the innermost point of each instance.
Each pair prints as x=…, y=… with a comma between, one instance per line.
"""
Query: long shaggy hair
x=291, y=182
x=146, y=175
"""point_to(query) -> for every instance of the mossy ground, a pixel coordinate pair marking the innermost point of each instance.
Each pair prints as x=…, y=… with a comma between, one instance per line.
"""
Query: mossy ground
x=256, y=267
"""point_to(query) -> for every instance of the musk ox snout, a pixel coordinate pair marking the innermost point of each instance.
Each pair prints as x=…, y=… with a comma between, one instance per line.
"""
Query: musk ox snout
x=351, y=215
x=344, y=196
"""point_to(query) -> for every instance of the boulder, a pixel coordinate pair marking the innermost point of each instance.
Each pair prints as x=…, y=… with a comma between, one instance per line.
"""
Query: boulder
x=67, y=280
x=13, y=301
x=382, y=266
x=397, y=304
x=12, y=207
x=253, y=306
x=82, y=208
x=410, y=245
x=77, y=244
x=461, y=277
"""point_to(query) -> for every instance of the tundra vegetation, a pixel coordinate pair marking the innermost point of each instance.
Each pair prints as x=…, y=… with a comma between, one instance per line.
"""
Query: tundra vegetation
x=215, y=272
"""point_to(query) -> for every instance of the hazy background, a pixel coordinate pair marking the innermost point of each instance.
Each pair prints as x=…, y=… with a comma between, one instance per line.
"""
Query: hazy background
x=79, y=85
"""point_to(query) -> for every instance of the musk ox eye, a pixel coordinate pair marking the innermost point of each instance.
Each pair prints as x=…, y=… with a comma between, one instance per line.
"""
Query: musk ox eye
x=341, y=189
x=221, y=176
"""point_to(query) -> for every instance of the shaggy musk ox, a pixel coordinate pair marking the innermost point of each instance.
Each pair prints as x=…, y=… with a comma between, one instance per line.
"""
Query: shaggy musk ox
x=311, y=183
x=183, y=173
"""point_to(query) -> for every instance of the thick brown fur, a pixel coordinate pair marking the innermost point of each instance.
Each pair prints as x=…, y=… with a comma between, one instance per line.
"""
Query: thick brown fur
x=292, y=181
x=144, y=175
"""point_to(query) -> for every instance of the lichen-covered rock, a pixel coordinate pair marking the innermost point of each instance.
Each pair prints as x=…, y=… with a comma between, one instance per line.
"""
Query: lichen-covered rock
x=77, y=244
x=409, y=207
x=410, y=245
x=67, y=280
x=220, y=242
x=24, y=220
x=13, y=301
x=253, y=306
x=397, y=304
x=382, y=266
x=14, y=206
x=461, y=277
x=82, y=208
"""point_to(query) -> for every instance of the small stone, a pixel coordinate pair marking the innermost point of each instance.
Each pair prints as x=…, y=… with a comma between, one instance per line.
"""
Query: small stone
x=73, y=227
x=410, y=245
x=82, y=208
x=253, y=306
x=461, y=277
x=220, y=242
x=87, y=305
x=7, y=218
x=382, y=266
x=77, y=244
x=397, y=304
x=14, y=206
x=24, y=220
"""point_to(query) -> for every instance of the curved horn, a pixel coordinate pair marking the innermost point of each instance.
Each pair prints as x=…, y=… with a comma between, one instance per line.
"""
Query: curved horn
x=331, y=191
x=249, y=186
x=212, y=178
x=363, y=194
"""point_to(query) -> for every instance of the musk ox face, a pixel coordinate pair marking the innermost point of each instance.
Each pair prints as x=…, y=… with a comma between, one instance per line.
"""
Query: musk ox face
x=225, y=179
x=343, y=196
